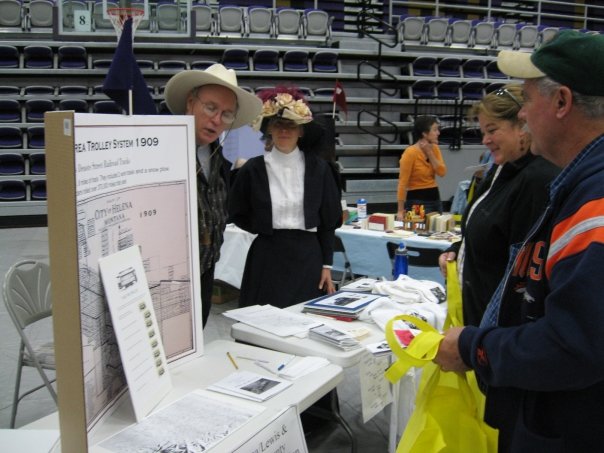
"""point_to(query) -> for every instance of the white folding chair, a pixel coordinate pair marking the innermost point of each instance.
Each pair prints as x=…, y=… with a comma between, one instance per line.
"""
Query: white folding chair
x=26, y=293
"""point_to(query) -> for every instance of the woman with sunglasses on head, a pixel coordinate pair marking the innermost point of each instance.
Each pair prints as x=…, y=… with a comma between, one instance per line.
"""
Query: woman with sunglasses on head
x=289, y=198
x=506, y=204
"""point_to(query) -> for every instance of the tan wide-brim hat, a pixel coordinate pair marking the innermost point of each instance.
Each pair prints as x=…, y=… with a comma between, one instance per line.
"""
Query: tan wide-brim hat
x=179, y=87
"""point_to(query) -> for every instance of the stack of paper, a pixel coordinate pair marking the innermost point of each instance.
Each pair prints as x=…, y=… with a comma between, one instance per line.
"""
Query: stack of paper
x=252, y=386
x=345, y=304
x=302, y=366
x=379, y=349
x=275, y=320
x=364, y=284
x=335, y=337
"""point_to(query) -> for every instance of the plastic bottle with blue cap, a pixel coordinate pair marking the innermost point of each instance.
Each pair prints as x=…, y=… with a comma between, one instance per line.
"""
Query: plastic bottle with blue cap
x=362, y=208
x=401, y=261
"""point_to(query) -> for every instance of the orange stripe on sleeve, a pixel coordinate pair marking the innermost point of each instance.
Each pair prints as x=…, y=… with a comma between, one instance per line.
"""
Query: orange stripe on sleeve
x=573, y=245
x=594, y=208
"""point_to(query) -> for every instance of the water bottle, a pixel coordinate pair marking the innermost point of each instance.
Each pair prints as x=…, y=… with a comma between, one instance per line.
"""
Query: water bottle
x=401, y=261
x=362, y=208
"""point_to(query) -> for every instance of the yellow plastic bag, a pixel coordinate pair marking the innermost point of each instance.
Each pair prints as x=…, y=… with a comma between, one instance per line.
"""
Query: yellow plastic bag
x=448, y=410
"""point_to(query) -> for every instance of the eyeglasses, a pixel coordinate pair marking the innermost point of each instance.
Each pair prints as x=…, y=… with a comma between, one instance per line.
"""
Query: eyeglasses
x=212, y=110
x=506, y=92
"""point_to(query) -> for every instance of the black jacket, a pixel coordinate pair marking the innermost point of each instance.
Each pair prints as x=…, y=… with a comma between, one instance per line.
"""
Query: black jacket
x=502, y=219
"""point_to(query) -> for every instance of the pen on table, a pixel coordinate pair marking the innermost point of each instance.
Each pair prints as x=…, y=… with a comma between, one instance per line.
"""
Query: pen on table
x=253, y=359
x=283, y=365
x=232, y=360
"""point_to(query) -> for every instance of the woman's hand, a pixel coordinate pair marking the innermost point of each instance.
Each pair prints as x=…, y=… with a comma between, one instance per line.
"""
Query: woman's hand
x=326, y=283
x=442, y=261
x=400, y=215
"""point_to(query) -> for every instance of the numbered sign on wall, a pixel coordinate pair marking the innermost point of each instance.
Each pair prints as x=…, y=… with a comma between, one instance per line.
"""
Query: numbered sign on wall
x=81, y=20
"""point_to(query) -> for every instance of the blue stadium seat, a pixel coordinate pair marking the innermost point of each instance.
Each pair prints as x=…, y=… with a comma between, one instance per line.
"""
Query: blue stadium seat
x=295, y=60
x=449, y=67
x=38, y=57
x=72, y=57
x=12, y=164
x=37, y=164
x=424, y=67
x=77, y=105
x=172, y=65
x=10, y=137
x=266, y=60
x=12, y=190
x=10, y=111
x=202, y=65
x=9, y=56
x=35, y=137
x=38, y=189
x=38, y=90
x=106, y=107
x=493, y=71
x=448, y=89
x=325, y=61
x=9, y=90
x=423, y=89
x=236, y=58
x=73, y=90
x=36, y=108
x=473, y=68
x=473, y=90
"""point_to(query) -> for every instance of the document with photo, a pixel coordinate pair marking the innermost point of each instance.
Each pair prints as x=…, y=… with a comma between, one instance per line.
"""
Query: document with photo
x=246, y=384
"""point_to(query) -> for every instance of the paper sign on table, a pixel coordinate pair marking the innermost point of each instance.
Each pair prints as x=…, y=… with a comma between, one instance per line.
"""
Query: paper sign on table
x=136, y=329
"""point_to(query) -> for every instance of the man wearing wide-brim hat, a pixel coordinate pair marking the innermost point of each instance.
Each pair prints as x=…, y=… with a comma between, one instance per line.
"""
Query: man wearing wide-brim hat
x=218, y=104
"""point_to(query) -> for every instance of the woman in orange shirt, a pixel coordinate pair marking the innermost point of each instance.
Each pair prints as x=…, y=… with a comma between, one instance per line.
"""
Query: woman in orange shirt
x=419, y=165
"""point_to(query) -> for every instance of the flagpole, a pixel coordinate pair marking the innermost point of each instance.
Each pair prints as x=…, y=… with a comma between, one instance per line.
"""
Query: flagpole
x=333, y=112
x=130, y=102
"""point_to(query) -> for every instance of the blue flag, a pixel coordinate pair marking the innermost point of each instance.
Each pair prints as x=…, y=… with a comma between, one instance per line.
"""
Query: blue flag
x=124, y=75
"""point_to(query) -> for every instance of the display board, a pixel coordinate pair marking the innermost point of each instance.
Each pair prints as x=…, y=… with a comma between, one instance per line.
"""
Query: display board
x=114, y=181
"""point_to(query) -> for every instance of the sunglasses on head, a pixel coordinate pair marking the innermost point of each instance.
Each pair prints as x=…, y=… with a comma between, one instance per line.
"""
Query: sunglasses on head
x=506, y=92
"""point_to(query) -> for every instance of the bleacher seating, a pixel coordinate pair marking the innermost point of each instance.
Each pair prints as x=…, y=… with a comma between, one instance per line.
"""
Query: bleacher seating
x=167, y=16
x=39, y=14
x=10, y=137
x=236, y=58
x=284, y=47
x=10, y=111
x=11, y=13
x=288, y=23
x=9, y=56
x=260, y=22
x=204, y=24
x=266, y=60
x=230, y=21
x=11, y=164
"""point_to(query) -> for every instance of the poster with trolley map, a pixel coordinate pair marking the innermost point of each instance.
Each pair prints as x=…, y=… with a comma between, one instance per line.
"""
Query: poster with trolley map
x=115, y=181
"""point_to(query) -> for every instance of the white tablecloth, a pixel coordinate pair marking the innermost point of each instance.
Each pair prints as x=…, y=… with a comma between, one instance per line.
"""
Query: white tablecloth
x=365, y=249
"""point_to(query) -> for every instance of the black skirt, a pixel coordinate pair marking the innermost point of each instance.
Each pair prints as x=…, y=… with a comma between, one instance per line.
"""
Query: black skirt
x=282, y=269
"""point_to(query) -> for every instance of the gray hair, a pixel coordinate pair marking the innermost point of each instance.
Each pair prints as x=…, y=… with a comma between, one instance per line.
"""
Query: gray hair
x=591, y=106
